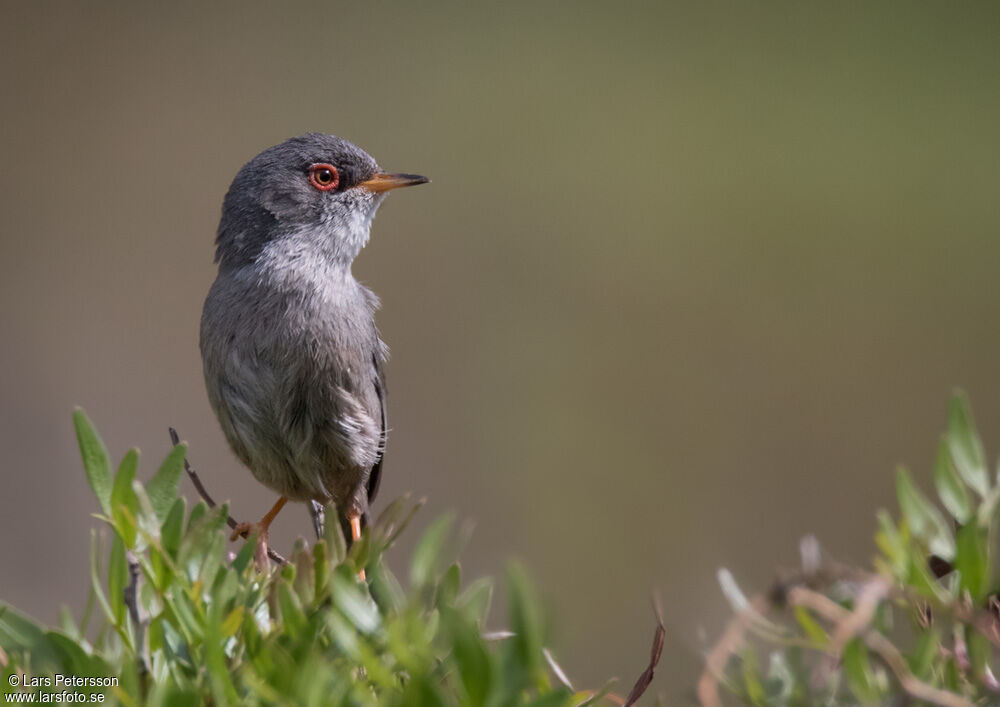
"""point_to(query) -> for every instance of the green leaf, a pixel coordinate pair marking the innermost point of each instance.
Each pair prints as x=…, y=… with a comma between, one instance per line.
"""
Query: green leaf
x=988, y=507
x=526, y=621
x=197, y=513
x=117, y=579
x=587, y=698
x=336, y=544
x=385, y=588
x=859, y=672
x=953, y=677
x=232, y=622
x=751, y=678
x=95, y=580
x=291, y=611
x=68, y=625
x=123, y=498
x=200, y=533
x=781, y=681
x=20, y=633
x=244, y=556
x=891, y=543
x=471, y=657
x=924, y=520
x=918, y=577
x=170, y=533
x=921, y=659
x=449, y=585
x=353, y=602
x=476, y=600
x=162, y=488
x=343, y=633
x=949, y=486
x=556, y=698
x=184, y=616
x=979, y=651
x=95, y=459
x=147, y=521
x=321, y=568
x=971, y=560
x=170, y=540
x=427, y=554
x=811, y=628
x=965, y=445
x=220, y=680
x=75, y=659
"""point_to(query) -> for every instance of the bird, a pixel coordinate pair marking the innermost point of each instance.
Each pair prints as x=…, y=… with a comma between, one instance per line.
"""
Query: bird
x=292, y=358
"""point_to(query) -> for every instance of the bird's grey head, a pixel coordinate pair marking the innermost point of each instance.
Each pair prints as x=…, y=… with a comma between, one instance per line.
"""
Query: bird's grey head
x=311, y=198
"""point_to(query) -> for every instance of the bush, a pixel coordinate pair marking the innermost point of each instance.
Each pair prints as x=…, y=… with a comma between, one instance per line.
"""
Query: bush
x=920, y=626
x=181, y=621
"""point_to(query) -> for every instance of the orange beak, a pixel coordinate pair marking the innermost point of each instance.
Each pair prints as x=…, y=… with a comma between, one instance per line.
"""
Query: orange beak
x=384, y=182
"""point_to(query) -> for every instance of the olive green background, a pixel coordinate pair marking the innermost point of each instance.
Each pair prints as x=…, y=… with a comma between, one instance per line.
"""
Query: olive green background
x=690, y=280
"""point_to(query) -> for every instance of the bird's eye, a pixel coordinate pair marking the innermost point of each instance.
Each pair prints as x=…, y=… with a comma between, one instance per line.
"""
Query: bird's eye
x=324, y=176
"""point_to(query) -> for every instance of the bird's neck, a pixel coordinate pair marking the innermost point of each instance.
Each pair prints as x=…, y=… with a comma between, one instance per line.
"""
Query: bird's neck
x=304, y=267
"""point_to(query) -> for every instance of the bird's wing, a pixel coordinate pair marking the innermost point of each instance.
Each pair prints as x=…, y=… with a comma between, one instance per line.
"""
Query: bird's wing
x=376, y=475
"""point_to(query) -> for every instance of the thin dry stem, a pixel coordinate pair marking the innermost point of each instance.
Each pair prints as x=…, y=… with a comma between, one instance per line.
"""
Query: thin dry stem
x=797, y=590
x=841, y=617
x=200, y=488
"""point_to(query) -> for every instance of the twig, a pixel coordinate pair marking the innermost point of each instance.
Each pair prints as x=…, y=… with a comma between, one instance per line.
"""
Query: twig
x=230, y=521
x=131, y=596
x=792, y=588
x=836, y=614
x=984, y=621
x=865, y=606
x=730, y=643
x=961, y=653
x=961, y=657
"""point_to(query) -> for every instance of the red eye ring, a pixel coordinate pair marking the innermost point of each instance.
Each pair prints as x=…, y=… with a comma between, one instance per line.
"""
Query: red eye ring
x=324, y=177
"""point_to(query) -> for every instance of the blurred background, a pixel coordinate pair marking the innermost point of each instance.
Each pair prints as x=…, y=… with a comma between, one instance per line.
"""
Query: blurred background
x=691, y=279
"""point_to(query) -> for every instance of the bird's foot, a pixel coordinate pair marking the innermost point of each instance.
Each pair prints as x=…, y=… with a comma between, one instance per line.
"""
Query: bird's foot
x=259, y=532
x=355, y=521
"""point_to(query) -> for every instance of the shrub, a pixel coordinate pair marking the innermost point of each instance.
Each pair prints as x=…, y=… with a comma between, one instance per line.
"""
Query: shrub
x=919, y=626
x=181, y=621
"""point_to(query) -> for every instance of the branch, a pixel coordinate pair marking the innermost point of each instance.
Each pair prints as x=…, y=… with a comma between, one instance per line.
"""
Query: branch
x=797, y=590
x=865, y=606
x=230, y=521
x=131, y=597
x=730, y=643
x=841, y=617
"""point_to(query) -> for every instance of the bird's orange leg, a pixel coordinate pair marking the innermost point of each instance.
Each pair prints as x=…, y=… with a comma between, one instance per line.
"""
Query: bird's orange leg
x=355, y=521
x=261, y=529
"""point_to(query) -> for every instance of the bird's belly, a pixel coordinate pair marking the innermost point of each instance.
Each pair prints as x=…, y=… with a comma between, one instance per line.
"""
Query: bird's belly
x=298, y=429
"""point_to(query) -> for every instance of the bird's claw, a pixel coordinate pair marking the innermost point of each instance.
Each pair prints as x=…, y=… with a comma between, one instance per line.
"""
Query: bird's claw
x=258, y=530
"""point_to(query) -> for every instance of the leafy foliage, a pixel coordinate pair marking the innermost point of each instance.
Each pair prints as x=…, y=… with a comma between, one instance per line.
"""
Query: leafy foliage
x=922, y=625
x=183, y=621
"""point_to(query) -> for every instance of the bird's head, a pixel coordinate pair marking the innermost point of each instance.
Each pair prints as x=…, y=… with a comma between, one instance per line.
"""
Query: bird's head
x=311, y=197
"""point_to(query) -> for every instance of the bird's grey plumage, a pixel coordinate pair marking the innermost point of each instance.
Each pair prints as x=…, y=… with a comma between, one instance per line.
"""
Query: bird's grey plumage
x=293, y=361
